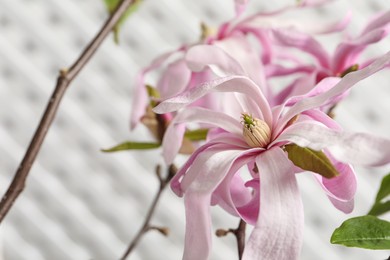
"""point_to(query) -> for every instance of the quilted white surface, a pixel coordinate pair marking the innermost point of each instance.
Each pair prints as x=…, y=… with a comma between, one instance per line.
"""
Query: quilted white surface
x=82, y=204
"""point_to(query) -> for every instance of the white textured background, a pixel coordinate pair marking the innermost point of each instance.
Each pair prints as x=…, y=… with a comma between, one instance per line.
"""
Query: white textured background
x=82, y=204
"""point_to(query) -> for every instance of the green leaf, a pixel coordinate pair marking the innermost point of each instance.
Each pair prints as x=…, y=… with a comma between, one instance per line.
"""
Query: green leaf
x=131, y=146
x=311, y=160
x=111, y=5
x=365, y=232
x=384, y=189
x=381, y=207
x=196, y=135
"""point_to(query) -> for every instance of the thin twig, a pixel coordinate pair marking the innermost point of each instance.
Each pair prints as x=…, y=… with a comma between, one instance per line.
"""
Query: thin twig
x=240, y=237
x=64, y=79
x=146, y=226
x=239, y=233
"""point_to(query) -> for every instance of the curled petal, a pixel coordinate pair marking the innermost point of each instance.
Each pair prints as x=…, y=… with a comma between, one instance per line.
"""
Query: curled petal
x=174, y=80
x=222, y=140
x=174, y=134
x=205, y=174
x=238, y=84
x=340, y=189
x=236, y=197
x=279, y=229
x=140, y=98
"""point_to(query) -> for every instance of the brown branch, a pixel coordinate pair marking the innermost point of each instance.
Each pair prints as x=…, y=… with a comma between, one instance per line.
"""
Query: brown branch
x=146, y=226
x=240, y=236
x=239, y=233
x=63, y=81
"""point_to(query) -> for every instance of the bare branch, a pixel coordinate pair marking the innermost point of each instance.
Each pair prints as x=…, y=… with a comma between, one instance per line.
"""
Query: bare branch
x=64, y=79
x=146, y=226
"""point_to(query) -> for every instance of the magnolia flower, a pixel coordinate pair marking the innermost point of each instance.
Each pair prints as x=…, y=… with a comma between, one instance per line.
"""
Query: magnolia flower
x=258, y=136
x=231, y=37
x=346, y=57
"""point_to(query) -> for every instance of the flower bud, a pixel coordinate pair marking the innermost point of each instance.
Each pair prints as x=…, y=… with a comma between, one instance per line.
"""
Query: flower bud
x=256, y=132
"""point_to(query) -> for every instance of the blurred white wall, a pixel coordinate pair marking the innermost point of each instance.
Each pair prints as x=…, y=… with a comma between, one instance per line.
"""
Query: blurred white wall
x=82, y=204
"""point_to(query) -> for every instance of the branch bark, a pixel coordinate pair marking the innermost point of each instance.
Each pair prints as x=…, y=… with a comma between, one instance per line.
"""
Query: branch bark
x=239, y=233
x=146, y=225
x=64, y=79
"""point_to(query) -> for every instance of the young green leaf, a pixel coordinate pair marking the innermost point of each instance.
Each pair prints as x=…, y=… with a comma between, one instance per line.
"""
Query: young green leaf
x=367, y=232
x=111, y=5
x=131, y=146
x=381, y=206
x=196, y=135
x=311, y=160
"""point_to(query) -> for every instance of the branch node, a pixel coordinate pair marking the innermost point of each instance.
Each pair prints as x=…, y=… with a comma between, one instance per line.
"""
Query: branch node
x=64, y=72
x=158, y=173
x=163, y=230
x=171, y=172
x=222, y=232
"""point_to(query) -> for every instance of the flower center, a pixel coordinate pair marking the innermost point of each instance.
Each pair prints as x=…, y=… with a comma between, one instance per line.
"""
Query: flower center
x=256, y=132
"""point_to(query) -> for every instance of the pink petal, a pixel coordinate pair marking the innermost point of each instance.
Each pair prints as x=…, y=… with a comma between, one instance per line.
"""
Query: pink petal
x=341, y=189
x=277, y=70
x=235, y=197
x=239, y=47
x=250, y=211
x=197, y=243
x=140, y=98
x=300, y=88
x=174, y=80
x=279, y=229
x=355, y=148
x=337, y=26
x=345, y=206
x=223, y=140
x=378, y=22
x=323, y=86
x=345, y=83
x=237, y=194
x=221, y=63
x=347, y=53
x=261, y=35
x=205, y=174
x=323, y=118
x=238, y=84
x=240, y=6
x=173, y=136
x=304, y=42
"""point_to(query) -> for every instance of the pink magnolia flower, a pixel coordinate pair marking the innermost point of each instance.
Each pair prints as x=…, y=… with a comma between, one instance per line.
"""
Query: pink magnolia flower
x=345, y=58
x=211, y=174
x=231, y=37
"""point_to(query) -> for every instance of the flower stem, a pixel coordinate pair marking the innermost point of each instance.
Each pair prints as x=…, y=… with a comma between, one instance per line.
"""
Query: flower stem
x=66, y=76
x=146, y=226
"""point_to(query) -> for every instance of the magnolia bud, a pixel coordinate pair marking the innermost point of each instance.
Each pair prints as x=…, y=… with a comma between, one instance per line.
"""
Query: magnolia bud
x=256, y=132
